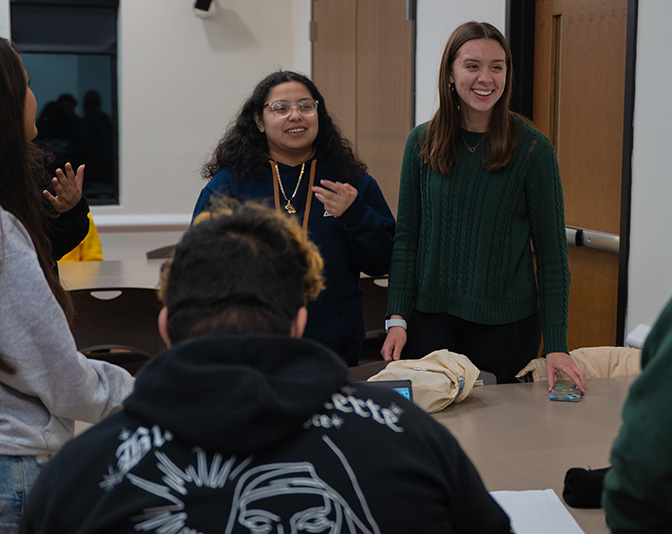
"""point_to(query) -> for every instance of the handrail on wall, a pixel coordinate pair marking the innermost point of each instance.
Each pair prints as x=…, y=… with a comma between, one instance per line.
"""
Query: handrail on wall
x=581, y=237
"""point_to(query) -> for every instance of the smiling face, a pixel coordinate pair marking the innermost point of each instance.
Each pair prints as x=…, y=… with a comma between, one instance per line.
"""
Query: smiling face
x=290, y=139
x=479, y=75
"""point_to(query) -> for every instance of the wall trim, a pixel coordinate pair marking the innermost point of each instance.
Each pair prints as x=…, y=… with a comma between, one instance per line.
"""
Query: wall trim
x=176, y=222
x=626, y=168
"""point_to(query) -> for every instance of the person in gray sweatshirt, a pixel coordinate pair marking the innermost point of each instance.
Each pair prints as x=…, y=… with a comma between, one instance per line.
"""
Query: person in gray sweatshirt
x=45, y=384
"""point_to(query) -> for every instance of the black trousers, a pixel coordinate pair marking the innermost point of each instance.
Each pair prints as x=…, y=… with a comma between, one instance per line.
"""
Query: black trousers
x=502, y=349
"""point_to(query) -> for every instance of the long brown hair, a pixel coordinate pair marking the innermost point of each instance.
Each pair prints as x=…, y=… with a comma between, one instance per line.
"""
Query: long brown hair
x=443, y=132
x=21, y=171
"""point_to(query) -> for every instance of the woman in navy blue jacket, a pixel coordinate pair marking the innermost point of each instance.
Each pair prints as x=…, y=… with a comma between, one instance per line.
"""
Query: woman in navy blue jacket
x=284, y=149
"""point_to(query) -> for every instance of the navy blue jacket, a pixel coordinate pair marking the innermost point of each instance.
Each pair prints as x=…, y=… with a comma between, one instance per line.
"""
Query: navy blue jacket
x=358, y=241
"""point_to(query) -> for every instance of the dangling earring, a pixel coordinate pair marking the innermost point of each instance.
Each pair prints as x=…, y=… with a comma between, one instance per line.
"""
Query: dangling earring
x=452, y=87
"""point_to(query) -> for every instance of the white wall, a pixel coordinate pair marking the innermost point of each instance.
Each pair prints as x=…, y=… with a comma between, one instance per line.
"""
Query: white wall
x=650, y=274
x=302, y=54
x=4, y=19
x=181, y=81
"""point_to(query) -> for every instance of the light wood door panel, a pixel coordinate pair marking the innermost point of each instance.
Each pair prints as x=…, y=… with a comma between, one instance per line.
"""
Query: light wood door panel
x=363, y=64
x=334, y=60
x=579, y=85
x=384, y=90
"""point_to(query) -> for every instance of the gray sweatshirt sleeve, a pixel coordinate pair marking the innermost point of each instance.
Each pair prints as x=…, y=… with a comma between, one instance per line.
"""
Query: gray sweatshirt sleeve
x=35, y=339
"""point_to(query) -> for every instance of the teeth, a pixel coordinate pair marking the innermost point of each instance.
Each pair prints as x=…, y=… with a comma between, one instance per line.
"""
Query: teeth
x=296, y=130
x=482, y=93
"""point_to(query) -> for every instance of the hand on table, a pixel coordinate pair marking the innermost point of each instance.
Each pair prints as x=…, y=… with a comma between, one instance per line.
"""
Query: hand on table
x=68, y=188
x=335, y=196
x=561, y=361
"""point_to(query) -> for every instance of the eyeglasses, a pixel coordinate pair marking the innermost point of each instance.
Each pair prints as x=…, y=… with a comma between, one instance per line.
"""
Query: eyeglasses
x=283, y=108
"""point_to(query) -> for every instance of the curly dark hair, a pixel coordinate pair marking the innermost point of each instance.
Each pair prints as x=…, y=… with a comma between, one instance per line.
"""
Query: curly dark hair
x=241, y=268
x=244, y=148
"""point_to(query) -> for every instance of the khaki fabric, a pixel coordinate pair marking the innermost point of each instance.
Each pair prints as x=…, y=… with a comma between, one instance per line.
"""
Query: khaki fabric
x=439, y=379
x=595, y=362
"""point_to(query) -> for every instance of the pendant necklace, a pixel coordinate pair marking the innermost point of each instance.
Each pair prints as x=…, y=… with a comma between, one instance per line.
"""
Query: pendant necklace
x=289, y=206
x=472, y=149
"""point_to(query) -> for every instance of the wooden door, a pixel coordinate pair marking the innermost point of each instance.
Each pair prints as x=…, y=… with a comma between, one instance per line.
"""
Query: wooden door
x=579, y=86
x=363, y=65
x=334, y=60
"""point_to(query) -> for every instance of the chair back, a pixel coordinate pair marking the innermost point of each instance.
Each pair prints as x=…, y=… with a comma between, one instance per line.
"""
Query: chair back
x=161, y=253
x=117, y=324
x=375, y=306
x=487, y=378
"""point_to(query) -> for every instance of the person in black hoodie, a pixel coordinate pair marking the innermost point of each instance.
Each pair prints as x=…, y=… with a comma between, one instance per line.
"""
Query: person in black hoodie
x=241, y=426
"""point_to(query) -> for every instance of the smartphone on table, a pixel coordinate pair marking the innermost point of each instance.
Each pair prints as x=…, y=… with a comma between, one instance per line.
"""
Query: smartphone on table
x=563, y=391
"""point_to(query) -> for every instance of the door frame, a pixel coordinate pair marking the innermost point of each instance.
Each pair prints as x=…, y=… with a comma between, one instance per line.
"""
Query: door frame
x=520, y=36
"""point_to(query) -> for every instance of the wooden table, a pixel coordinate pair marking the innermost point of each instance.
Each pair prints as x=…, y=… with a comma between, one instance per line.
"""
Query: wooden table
x=519, y=440
x=118, y=273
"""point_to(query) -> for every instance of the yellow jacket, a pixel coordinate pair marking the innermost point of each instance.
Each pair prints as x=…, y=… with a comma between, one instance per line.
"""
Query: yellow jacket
x=89, y=249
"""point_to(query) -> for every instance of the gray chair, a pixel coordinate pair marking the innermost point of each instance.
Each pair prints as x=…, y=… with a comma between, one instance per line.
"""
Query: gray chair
x=487, y=377
x=118, y=325
x=364, y=371
x=161, y=253
x=375, y=307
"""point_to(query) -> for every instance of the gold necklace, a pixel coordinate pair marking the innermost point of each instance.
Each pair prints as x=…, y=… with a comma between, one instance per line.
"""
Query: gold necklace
x=472, y=149
x=289, y=207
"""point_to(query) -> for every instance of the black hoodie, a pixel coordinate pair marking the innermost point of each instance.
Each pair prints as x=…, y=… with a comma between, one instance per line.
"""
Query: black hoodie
x=235, y=433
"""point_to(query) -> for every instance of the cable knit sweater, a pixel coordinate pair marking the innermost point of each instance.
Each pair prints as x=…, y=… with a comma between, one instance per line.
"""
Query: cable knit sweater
x=462, y=242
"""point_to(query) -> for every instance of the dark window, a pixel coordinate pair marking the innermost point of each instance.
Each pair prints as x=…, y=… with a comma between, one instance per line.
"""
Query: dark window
x=69, y=49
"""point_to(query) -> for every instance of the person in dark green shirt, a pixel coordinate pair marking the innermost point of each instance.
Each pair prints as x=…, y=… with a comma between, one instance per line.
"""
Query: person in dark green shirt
x=480, y=192
x=637, y=493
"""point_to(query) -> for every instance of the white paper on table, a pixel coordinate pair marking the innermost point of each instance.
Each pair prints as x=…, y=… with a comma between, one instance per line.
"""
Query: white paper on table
x=535, y=511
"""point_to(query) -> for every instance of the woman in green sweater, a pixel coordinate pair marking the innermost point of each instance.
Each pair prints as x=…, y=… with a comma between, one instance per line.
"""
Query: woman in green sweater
x=478, y=185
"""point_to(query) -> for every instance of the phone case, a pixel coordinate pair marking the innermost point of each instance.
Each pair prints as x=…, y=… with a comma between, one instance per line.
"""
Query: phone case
x=565, y=392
